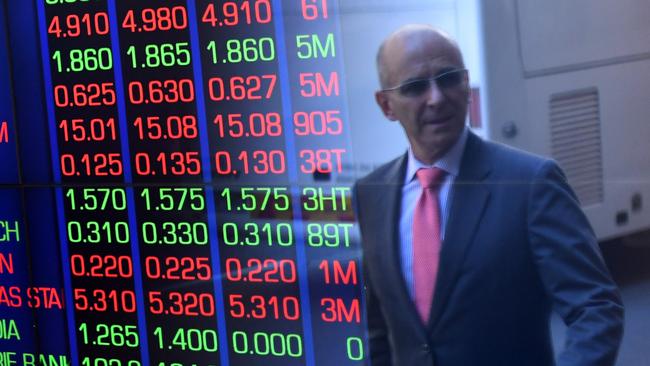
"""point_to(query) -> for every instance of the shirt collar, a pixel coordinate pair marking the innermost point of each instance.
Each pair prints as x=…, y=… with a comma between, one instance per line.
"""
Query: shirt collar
x=449, y=162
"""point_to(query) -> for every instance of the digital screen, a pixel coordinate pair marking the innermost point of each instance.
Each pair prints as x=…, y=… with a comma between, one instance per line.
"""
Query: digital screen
x=168, y=194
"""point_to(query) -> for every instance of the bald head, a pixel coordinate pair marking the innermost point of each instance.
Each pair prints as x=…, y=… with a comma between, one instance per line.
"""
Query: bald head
x=431, y=113
x=413, y=40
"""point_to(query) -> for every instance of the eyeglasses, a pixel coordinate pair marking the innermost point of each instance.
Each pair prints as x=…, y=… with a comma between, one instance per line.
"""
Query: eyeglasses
x=444, y=81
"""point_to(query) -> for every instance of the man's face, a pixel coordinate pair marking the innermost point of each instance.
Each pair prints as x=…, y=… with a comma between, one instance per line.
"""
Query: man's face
x=434, y=118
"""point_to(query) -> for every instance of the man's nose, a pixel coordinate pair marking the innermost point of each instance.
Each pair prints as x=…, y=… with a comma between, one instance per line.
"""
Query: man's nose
x=433, y=94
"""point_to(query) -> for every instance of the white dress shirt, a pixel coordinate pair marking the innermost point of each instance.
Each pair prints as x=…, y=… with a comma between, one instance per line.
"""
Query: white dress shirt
x=450, y=163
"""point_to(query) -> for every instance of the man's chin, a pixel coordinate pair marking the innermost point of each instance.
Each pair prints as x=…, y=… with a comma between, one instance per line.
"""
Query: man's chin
x=437, y=131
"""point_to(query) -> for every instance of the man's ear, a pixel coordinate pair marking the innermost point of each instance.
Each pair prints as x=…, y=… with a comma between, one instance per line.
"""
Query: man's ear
x=384, y=103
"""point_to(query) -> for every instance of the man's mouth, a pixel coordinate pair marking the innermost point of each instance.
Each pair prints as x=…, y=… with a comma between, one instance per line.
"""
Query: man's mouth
x=438, y=121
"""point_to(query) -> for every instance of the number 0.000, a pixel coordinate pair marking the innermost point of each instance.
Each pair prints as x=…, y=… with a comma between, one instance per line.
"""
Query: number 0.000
x=276, y=344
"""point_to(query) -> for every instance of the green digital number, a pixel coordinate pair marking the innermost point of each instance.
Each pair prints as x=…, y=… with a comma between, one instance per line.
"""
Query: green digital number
x=355, y=348
x=89, y=59
x=99, y=361
x=97, y=199
x=94, y=232
x=254, y=234
x=263, y=344
x=257, y=198
x=173, y=199
x=54, y=2
x=311, y=46
x=329, y=235
x=244, y=50
x=111, y=335
x=189, y=339
x=184, y=233
x=161, y=55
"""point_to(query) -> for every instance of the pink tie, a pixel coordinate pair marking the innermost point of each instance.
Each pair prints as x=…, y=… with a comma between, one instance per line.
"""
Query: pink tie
x=426, y=240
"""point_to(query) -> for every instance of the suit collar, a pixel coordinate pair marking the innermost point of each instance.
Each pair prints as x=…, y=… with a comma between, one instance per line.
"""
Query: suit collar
x=475, y=165
x=388, y=206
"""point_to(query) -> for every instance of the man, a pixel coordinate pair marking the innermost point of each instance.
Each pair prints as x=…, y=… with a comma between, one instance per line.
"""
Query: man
x=468, y=245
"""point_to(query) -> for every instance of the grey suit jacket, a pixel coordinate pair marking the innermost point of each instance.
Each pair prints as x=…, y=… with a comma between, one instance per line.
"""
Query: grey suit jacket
x=517, y=246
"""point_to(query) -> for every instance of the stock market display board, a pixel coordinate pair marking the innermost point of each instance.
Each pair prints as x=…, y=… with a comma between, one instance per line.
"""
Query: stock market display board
x=168, y=192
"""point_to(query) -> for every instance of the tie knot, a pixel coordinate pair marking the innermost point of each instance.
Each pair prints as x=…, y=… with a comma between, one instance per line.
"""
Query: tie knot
x=430, y=177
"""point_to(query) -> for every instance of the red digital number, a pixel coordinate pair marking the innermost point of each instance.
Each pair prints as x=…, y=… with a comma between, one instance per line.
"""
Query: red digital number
x=317, y=123
x=268, y=270
x=75, y=25
x=168, y=163
x=172, y=127
x=98, y=165
x=256, y=125
x=84, y=95
x=312, y=11
x=242, y=88
x=178, y=303
x=108, y=266
x=232, y=13
x=161, y=91
x=336, y=310
x=255, y=162
x=321, y=160
x=160, y=19
x=313, y=84
x=260, y=307
x=80, y=130
x=102, y=300
x=174, y=268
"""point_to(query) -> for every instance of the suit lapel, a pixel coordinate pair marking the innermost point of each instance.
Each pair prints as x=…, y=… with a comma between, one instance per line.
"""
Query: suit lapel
x=469, y=198
x=390, y=200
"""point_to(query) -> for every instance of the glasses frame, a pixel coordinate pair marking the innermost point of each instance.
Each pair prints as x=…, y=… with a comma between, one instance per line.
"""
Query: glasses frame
x=433, y=79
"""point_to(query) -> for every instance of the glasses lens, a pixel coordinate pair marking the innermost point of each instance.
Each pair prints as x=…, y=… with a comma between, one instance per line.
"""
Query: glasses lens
x=449, y=79
x=446, y=80
x=414, y=88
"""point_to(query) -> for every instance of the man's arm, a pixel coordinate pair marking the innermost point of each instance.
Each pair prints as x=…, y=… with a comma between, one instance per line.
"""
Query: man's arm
x=573, y=272
x=377, y=331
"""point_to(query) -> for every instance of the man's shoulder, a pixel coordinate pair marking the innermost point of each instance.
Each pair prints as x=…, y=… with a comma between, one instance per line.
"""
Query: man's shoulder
x=385, y=172
x=506, y=160
x=503, y=160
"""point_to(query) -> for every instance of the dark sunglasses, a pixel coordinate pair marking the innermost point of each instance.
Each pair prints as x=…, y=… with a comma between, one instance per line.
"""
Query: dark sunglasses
x=444, y=81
